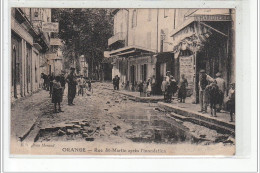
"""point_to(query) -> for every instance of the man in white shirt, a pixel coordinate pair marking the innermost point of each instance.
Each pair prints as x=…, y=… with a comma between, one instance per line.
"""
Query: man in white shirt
x=222, y=87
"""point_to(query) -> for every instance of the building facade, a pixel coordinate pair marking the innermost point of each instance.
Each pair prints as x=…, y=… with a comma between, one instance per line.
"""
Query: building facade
x=149, y=42
x=140, y=35
x=204, y=39
x=54, y=56
x=28, y=48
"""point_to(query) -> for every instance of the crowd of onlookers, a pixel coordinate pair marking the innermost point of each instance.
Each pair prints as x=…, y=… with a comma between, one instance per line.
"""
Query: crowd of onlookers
x=56, y=86
x=212, y=91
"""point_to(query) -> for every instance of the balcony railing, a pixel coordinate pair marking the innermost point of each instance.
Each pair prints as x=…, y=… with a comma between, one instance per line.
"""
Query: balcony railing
x=120, y=36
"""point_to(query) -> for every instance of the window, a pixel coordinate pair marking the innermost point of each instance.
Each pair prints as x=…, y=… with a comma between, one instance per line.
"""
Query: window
x=149, y=14
x=36, y=14
x=134, y=19
x=166, y=11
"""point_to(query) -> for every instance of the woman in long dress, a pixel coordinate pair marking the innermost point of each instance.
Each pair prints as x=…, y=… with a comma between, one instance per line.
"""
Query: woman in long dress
x=183, y=89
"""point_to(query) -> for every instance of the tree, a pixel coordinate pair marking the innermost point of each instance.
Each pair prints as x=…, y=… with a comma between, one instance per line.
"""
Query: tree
x=84, y=32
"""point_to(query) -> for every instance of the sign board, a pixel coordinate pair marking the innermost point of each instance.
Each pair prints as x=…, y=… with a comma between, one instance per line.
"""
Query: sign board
x=55, y=42
x=187, y=68
x=50, y=26
x=212, y=18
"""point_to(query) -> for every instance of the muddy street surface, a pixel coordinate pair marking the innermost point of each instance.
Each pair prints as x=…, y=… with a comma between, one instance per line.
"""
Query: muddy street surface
x=107, y=116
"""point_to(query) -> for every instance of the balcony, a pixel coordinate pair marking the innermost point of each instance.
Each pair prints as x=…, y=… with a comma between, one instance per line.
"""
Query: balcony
x=118, y=37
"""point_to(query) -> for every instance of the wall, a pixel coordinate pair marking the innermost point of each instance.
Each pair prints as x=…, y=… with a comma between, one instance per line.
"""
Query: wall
x=144, y=34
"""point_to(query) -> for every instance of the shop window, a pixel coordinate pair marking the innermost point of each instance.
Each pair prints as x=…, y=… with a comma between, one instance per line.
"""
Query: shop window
x=143, y=72
x=36, y=14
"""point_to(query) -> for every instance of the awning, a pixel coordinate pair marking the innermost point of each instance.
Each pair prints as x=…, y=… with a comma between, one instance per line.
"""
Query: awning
x=131, y=51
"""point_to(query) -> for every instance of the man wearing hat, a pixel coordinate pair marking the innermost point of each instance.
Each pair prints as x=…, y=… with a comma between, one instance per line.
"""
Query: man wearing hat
x=204, y=80
x=222, y=88
x=72, y=82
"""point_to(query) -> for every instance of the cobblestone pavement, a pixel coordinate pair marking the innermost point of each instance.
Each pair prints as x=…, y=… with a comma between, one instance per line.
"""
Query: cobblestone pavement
x=102, y=116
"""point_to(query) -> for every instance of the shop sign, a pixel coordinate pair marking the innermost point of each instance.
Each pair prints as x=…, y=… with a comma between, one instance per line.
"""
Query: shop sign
x=186, y=68
x=212, y=18
x=50, y=26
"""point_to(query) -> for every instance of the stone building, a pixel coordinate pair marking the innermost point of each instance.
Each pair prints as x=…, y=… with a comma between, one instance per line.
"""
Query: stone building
x=204, y=39
x=28, y=48
x=139, y=35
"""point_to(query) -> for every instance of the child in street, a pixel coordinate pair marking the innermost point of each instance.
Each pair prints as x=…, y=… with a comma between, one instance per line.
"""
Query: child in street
x=57, y=94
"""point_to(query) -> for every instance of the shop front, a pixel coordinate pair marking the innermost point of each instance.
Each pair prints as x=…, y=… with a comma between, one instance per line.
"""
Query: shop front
x=164, y=63
x=203, y=45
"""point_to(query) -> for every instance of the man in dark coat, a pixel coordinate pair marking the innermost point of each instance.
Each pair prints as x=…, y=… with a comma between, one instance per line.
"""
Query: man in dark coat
x=72, y=82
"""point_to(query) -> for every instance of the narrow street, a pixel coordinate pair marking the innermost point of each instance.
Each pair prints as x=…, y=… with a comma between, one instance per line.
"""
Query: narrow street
x=104, y=116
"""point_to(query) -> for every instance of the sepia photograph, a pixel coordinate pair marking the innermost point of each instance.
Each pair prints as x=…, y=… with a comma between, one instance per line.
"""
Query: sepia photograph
x=122, y=81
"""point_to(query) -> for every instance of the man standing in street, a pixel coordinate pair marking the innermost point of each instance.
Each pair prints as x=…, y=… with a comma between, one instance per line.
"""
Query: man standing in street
x=222, y=88
x=117, y=82
x=204, y=80
x=72, y=82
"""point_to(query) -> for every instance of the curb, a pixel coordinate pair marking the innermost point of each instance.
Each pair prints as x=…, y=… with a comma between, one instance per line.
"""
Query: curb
x=197, y=118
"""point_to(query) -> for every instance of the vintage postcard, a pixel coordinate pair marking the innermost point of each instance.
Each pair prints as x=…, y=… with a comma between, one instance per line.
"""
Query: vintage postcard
x=137, y=81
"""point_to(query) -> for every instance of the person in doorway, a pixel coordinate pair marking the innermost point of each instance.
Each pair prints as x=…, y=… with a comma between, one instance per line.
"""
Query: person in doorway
x=204, y=80
x=163, y=88
x=141, y=88
x=57, y=94
x=168, y=75
x=72, y=83
x=149, y=88
x=183, y=89
x=213, y=94
x=231, y=101
x=222, y=88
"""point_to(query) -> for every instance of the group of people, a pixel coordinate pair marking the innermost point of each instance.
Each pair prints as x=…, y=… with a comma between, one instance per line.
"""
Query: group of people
x=168, y=87
x=116, y=80
x=145, y=88
x=213, y=92
x=56, y=86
